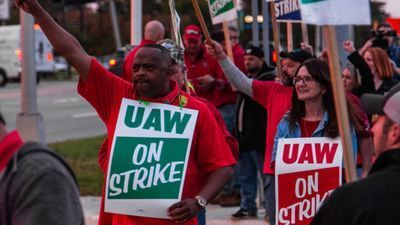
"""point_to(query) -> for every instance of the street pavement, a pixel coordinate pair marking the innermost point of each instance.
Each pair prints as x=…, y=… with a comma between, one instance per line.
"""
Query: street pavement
x=66, y=115
x=215, y=215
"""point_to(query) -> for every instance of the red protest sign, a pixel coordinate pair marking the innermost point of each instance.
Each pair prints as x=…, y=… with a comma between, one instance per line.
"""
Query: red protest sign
x=307, y=171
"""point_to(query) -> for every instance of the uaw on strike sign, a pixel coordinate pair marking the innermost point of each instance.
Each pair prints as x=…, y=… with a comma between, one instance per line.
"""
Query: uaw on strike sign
x=307, y=170
x=148, y=159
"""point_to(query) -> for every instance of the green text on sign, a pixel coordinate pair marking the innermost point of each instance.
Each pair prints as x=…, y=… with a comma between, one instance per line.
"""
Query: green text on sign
x=172, y=122
x=147, y=168
x=218, y=7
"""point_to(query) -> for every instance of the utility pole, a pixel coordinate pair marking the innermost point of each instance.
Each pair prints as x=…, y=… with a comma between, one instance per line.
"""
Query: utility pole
x=265, y=26
x=254, y=27
x=29, y=121
x=136, y=21
x=114, y=20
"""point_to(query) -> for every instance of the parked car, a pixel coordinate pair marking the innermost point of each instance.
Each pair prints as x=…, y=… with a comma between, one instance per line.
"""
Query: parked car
x=116, y=62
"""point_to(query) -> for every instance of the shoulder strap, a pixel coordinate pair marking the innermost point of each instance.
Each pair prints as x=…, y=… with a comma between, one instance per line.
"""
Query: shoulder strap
x=27, y=149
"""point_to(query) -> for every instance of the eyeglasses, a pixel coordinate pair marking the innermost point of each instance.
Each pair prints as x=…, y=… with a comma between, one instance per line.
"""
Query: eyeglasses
x=305, y=79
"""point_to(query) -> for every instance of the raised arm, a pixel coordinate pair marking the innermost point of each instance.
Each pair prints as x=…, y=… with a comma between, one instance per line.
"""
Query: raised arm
x=367, y=82
x=236, y=77
x=62, y=41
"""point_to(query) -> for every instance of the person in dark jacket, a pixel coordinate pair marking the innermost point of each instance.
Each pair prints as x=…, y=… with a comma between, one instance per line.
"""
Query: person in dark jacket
x=358, y=80
x=381, y=68
x=251, y=121
x=375, y=199
x=36, y=185
x=357, y=77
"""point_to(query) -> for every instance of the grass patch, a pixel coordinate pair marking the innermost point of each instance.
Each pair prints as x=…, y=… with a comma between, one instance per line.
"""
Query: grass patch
x=81, y=154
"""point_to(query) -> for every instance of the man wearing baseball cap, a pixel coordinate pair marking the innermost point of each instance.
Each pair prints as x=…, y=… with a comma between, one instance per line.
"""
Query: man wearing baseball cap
x=292, y=61
x=251, y=122
x=375, y=199
x=202, y=68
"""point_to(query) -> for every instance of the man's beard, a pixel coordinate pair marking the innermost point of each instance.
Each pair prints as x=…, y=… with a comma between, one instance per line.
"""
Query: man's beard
x=286, y=79
x=253, y=69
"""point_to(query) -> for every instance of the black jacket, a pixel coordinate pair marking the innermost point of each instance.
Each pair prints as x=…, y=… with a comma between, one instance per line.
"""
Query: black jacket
x=373, y=200
x=367, y=82
x=367, y=79
x=252, y=136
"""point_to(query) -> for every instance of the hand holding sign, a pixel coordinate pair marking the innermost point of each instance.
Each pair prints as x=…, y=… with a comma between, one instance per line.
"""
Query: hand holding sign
x=184, y=210
x=216, y=50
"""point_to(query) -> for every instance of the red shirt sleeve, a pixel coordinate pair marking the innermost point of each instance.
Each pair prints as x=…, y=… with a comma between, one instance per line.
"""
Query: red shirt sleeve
x=261, y=92
x=102, y=89
x=127, y=66
x=213, y=151
x=232, y=141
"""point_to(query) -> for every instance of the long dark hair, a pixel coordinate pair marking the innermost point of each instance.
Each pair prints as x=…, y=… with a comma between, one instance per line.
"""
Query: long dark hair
x=319, y=70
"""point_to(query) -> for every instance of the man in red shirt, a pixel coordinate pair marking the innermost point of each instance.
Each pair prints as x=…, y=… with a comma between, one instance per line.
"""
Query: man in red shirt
x=210, y=160
x=153, y=32
x=203, y=70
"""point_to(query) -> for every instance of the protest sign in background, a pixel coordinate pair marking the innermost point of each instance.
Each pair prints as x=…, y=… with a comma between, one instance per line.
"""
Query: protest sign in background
x=307, y=170
x=287, y=10
x=335, y=12
x=222, y=10
x=176, y=24
x=148, y=158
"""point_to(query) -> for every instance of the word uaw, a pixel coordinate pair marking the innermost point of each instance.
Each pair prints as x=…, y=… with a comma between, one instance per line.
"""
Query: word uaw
x=286, y=7
x=310, y=153
x=146, y=177
x=156, y=120
x=307, y=207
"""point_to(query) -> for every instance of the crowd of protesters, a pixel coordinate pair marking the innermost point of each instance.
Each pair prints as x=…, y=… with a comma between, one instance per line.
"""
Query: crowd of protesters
x=244, y=108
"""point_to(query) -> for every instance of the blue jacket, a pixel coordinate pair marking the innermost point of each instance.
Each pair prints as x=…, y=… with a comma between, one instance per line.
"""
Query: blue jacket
x=283, y=131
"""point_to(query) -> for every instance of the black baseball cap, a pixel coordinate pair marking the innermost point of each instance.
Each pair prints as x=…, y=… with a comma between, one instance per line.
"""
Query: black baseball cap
x=297, y=55
x=256, y=51
x=388, y=104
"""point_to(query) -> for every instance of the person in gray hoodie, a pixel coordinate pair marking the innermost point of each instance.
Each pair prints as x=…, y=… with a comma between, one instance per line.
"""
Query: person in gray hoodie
x=36, y=185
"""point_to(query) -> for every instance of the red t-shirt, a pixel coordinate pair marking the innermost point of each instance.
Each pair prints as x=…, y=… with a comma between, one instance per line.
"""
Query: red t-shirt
x=127, y=66
x=209, y=150
x=238, y=57
x=10, y=144
x=276, y=99
x=308, y=127
x=223, y=93
x=203, y=65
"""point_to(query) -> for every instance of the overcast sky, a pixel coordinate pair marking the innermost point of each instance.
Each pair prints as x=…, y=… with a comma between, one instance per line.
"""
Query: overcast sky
x=392, y=7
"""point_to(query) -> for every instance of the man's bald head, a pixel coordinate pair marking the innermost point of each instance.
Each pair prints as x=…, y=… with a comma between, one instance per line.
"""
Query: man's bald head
x=154, y=30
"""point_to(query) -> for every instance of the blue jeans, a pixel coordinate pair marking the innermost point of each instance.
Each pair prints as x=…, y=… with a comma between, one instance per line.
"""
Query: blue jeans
x=228, y=112
x=269, y=197
x=201, y=217
x=250, y=164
